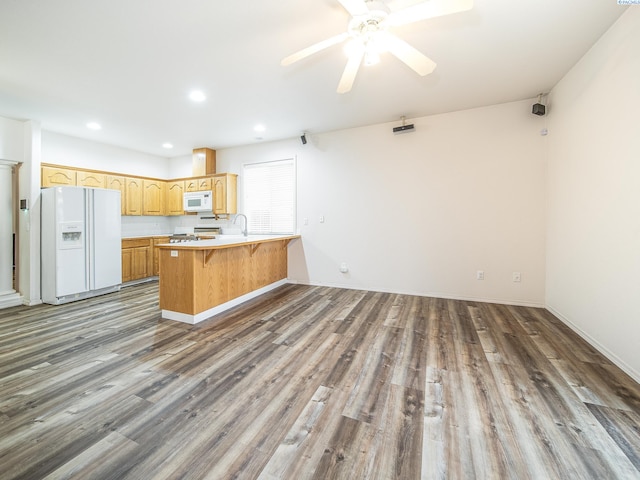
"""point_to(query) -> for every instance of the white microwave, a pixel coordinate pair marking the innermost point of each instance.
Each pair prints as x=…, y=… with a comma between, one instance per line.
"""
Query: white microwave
x=198, y=201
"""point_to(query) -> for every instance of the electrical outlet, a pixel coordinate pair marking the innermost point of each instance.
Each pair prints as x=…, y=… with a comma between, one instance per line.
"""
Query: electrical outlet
x=322, y=219
x=480, y=275
x=305, y=221
x=516, y=277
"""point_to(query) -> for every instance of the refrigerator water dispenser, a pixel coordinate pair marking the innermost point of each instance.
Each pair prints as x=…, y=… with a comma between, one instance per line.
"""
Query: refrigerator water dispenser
x=71, y=235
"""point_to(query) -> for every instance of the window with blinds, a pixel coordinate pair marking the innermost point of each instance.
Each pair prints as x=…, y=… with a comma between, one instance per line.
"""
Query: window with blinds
x=270, y=196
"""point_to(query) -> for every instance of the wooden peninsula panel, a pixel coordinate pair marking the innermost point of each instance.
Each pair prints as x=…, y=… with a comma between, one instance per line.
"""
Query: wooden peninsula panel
x=197, y=279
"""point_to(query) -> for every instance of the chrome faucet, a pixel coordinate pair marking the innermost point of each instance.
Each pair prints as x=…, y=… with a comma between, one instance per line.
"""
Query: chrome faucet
x=245, y=231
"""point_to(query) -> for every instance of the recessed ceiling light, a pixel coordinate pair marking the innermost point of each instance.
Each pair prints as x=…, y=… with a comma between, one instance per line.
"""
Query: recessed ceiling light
x=197, y=96
x=259, y=128
x=167, y=145
x=94, y=126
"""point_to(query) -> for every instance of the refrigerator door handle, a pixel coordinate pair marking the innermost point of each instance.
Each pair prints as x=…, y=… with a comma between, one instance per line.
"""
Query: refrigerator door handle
x=89, y=222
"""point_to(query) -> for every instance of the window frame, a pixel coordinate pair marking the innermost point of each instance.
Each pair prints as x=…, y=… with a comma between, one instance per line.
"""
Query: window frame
x=294, y=172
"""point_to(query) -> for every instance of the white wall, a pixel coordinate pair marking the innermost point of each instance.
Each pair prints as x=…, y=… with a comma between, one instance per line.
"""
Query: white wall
x=182, y=167
x=421, y=212
x=75, y=152
x=11, y=140
x=593, y=247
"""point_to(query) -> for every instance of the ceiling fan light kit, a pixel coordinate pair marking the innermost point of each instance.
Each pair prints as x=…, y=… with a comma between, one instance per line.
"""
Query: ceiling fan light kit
x=368, y=30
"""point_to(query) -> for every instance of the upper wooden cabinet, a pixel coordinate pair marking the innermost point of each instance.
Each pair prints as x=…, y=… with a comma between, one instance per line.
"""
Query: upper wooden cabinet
x=133, y=196
x=205, y=184
x=174, y=197
x=91, y=179
x=225, y=187
x=116, y=182
x=148, y=196
x=153, y=197
x=191, y=185
x=198, y=184
x=54, y=176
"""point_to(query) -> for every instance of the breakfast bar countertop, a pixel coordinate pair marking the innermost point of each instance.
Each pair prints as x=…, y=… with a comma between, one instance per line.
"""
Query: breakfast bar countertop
x=226, y=241
x=201, y=278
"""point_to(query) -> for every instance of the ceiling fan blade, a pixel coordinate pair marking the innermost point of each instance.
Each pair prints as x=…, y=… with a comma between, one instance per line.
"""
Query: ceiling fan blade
x=355, y=7
x=350, y=71
x=428, y=9
x=305, y=52
x=421, y=64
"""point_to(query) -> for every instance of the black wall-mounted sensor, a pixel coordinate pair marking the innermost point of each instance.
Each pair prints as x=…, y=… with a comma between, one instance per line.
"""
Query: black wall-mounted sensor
x=538, y=109
x=403, y=128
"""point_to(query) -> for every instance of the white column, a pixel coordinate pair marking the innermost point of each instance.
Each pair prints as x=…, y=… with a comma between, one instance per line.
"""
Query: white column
x=6, y=231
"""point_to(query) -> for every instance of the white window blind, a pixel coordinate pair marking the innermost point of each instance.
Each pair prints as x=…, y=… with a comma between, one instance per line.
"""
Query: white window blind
x=269, y=196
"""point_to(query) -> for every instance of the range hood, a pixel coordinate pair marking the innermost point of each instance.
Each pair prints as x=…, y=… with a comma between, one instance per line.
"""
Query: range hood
x=204, y=162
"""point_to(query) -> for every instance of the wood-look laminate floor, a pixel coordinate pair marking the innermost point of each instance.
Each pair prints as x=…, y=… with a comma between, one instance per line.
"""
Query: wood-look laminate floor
x=309, y=382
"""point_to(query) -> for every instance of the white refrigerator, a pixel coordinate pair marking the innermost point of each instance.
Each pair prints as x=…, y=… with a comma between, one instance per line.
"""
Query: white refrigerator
x=81, y=249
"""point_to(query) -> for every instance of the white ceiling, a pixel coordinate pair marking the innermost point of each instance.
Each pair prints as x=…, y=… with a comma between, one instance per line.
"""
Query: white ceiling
x=130, y=64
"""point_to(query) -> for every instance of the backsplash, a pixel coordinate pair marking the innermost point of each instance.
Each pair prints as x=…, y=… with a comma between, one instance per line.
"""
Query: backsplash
x=136, y=226
x=202, y=219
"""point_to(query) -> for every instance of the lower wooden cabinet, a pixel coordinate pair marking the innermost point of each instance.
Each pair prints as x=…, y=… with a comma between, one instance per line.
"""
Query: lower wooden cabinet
x=126, y=265
x=156, y=253
x=137, y=259
x=140, y=257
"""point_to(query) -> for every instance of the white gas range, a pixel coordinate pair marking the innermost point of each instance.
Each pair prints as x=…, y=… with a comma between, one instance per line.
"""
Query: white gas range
x=191, y=234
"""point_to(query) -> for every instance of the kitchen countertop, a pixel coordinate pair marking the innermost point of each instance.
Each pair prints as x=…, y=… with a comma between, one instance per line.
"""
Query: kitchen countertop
x=153, y=235
x=226, y=241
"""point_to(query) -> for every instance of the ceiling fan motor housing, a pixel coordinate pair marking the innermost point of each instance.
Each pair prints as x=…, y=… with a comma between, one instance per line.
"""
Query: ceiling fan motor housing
x=367, y=25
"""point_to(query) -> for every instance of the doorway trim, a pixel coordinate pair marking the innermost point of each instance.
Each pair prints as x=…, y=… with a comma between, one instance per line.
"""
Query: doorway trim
x=14, y=299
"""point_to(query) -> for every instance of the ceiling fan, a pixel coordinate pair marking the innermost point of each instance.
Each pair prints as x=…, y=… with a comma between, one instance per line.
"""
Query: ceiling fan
x=369, y=36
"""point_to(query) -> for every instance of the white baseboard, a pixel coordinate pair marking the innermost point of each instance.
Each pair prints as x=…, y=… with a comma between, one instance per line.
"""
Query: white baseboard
x=11, y=300
x=518, y=303
x=131, y=283
x=597, y=345
x=198, y=317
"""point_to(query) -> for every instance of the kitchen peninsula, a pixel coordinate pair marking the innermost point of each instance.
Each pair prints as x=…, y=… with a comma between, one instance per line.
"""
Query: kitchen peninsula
x=203, y=278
